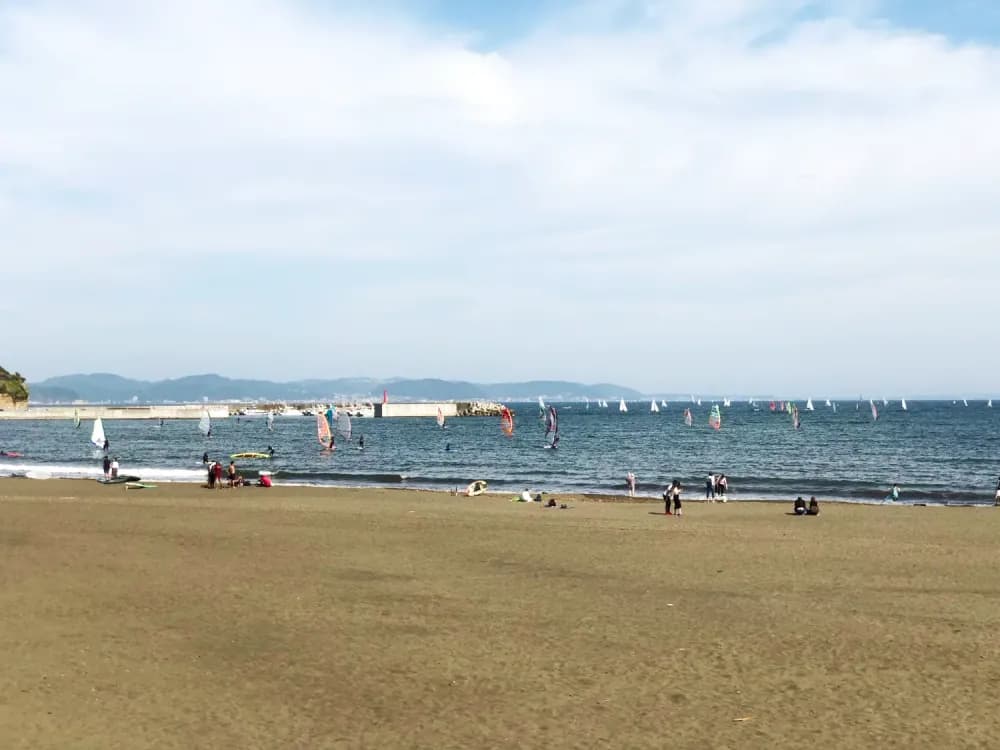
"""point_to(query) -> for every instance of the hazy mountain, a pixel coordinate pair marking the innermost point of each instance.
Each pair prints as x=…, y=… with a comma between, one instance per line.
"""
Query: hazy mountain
x=114, y=388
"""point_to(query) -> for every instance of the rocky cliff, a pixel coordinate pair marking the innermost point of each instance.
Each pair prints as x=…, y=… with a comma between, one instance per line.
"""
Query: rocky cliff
x=13, y=391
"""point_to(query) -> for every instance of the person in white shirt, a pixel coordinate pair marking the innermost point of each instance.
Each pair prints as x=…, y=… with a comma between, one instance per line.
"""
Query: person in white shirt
x=114, y=468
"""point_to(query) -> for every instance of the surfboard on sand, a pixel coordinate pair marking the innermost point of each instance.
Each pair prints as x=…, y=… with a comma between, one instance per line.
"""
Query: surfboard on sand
x=139, y=486
x=476, y=488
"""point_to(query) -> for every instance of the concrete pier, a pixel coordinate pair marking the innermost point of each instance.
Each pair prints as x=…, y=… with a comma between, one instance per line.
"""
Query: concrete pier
x=93, y=411
x=430, y=409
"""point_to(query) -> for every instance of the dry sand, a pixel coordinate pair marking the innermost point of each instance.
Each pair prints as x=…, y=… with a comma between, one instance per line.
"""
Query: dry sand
x=315, y=618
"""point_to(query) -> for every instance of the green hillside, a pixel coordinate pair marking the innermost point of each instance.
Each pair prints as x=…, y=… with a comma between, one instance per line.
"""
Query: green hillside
x=12, y=384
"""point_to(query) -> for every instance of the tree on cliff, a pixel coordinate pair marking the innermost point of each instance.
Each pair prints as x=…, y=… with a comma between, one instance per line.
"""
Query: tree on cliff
x=12, y=384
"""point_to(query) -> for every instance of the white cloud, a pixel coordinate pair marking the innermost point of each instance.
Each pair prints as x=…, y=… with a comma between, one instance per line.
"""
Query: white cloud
x=732, y=172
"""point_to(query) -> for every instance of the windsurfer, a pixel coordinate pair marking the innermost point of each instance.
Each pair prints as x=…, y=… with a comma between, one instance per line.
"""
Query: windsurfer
x=204, y=457
x=447, y=447
x=270, y=451
x=333, y=444
x=361, y=442
x=107, y=445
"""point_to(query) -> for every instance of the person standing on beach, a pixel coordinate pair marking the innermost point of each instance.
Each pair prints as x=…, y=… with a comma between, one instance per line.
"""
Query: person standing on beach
x=710, y=487
x=232, y=473
x=107, y=445
x=893, y=493
x=722, y=487
x=630, y=483
x=668, y=495
x=114, y=468
x=996, y=496
x=677, y=498
x=107, y=467
x=217, y=472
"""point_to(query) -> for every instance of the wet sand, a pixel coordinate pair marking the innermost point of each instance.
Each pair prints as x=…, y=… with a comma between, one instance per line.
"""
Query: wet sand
x=324, y=618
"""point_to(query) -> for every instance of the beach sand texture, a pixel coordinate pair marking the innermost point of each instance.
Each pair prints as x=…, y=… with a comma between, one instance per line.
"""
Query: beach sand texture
x=329, y=618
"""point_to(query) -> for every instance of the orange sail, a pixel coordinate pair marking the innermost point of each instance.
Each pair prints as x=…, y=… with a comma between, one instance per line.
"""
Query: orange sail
x=323, y=430
x=506, y=422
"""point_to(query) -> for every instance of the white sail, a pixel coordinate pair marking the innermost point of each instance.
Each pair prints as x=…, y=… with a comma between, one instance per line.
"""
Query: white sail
x=989, y=404
x=885, y=402
x=440, y=417
x=97, y=434
x=205, y=423
x=663, y=404
x=902, y=403
x=541, y=403
x=726, y=402
x=698, y=402
x=965, y=401
x=653, y=407
x=828, y=402
x=834, y=408
x=809, y=404
x=270, y=420
x=621, y=405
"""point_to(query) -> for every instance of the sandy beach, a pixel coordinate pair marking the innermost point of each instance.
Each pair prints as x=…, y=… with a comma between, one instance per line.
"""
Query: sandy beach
x=324, y=618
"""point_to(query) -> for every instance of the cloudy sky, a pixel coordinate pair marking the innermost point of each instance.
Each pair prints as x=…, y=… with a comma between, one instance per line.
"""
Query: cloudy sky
x=728, y=196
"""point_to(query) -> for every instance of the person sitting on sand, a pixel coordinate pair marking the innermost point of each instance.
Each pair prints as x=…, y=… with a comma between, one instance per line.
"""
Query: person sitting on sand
x=264, y=481
x=526, y=496
x=813, y=507
x=800, y=506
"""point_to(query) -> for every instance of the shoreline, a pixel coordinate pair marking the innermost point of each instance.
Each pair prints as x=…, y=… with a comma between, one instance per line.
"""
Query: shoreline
x=560, y=497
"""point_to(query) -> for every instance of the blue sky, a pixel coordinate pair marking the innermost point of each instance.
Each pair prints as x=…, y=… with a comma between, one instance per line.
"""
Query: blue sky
x=738, y=196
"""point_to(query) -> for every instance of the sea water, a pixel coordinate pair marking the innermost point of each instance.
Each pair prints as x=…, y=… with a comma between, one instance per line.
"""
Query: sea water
x=938, y=451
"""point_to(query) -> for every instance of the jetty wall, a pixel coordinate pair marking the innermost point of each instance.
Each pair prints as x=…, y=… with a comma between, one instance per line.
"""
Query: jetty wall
x=92, y=411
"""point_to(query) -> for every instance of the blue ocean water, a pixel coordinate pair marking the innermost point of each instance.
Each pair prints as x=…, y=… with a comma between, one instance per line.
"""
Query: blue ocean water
x=938, y=452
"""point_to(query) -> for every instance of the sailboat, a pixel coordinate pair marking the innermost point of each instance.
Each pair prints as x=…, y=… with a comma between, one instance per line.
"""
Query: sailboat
x=874, y=410
x=698, y=402
x=965, y=401
x=621, y=405
x=663, y=404
x=344, y=425
x=270, y=421
x=323, y=433
x=76, y=418
x=552, y=428
x=715, y=418
x=97, y=436
x=796, y=422
x=885, y=402
x=726, y=402
x=653, y=407
x=809, y=404
x=440, y=417
x=688, y=419
x=989, y=404
x=902, y=403
x=205, y=424
x=506, y=422
x=834, y=408
x=828, y=402
x=541, y=403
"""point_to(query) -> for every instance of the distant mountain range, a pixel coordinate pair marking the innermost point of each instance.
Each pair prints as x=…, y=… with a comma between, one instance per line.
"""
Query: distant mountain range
x=105, y=387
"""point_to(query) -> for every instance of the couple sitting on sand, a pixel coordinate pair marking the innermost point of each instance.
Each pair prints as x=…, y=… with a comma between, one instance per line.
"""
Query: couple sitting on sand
x=801, y=509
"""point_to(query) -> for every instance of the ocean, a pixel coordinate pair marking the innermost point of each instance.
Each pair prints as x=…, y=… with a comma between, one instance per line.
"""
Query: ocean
x=940, y=452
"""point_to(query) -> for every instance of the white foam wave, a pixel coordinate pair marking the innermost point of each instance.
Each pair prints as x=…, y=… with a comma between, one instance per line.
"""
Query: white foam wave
x=71, y=471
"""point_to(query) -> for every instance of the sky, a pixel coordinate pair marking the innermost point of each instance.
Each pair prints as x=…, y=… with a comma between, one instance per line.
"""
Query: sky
x=743, y=196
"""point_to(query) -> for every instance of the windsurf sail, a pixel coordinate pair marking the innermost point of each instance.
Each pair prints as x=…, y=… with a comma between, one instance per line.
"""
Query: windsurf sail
x=331, y=416
x=323, y=433
x=205, y=423
x=506, y=422
x=809, y=404
x=653, y=407
x=688, y=419
x=834, y=408
x=270, y=420
x=621, y=405
x=965, y=401
x=552, y=426
x=97, y=434
x=440, y=418
x=796, y=422
x=76, y=418
x=663, y=404
x=727, y=403
x=885, y=402
x=902, y=403
x=344, y=425
x=715, y=418
x=874, y=410
x=541, y=403
x=989, y=404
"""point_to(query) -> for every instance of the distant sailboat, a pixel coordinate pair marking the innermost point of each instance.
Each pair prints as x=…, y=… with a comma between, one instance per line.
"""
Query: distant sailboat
x=727, y=403
x=621, y=405
x=965, y=401
x=76, y=418
x=796, y=422
x=715, y=418
x=809, y=404
x=541, y=403
x=902, y=404
x=270, y=420
x=440, y=417
x=205, y=423
x=989, y=404
x=97, y=436
x=874, y=410
x=653, y=407
x=506, y=422
x=688, y=419
x=663, y=404
x=834, y=408
x=552, y=427
x=828, y=402
x=698, y=402
x=885, y=402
